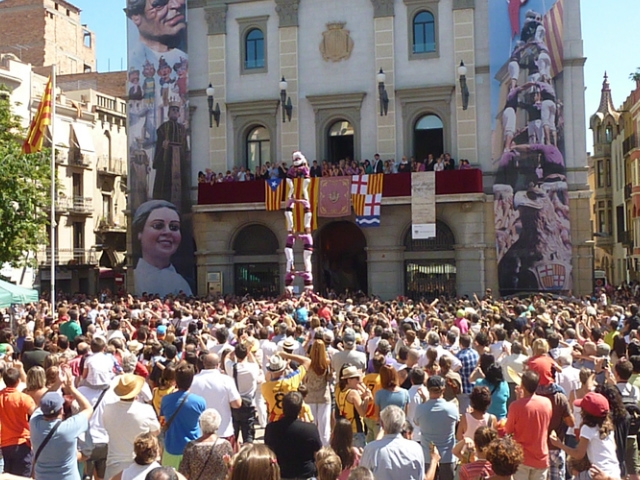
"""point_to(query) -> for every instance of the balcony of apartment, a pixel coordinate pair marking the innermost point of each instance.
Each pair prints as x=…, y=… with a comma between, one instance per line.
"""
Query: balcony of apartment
x=79, y=158
x=603, y=239
x=112, y=224
x=626, y=239
x=457, y=185
x=630, y=143
x=75, y=205
x=111, y=104
x=111, y=166
x=70, y=256
x=628, y=189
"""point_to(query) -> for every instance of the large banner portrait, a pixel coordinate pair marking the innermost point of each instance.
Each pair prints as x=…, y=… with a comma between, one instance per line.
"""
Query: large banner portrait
x=531, y=202
x=158, y=146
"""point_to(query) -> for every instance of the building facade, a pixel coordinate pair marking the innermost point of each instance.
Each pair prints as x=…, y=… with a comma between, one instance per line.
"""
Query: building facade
x=89, y=136
x=47, y=32
x=330, y=55
x=615, y=179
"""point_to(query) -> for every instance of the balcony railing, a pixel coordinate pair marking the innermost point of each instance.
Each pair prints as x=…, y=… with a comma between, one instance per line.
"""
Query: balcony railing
x=81, y=205
x=111, y=166
x=70, y=256
x=627, y=191
x=629, y=143
x=112, y=224
x=80, y=159
x=626, y=238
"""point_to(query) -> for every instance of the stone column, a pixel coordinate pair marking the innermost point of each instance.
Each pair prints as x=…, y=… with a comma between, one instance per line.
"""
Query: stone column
x=217, y=37
x=383, y=14
x=470, y=258
x=464, y=50
x=288, y=46
x=385, y=270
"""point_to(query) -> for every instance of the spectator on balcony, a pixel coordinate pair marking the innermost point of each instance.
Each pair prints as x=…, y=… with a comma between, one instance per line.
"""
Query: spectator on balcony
x=219, y=178
x=440, y=165
x=316, y=170
x=430, y=163
x=368, y=168
x=449, y=163
x=156, y=226
x=201, y=177
x=378, y=164
x=241, y=176
x=404, y=166
x=229, y=177
x=464, y=164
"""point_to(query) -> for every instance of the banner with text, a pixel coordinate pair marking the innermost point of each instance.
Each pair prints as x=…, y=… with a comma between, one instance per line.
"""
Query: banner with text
x=423, y=205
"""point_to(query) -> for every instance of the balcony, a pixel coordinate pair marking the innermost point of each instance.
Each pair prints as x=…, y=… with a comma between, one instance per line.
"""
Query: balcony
x=111, y=166
x=448, y=182
x=75, y=205
x=112, y=225
x=79, y=159
x=629, y=143
x=626, y=239
x=62, y=157
x=627, y=191
x=71, y=256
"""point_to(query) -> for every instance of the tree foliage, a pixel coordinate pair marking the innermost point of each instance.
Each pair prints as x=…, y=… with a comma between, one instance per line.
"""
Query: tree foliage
x=24, y=191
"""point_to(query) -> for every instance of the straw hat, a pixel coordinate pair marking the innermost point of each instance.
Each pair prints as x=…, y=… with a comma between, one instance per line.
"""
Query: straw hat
x=128, y=386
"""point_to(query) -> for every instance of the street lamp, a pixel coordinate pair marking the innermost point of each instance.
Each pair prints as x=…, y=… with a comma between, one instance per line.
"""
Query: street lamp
x=464, y=90
x=382, y=91
x=287, y=107
x=213, y=114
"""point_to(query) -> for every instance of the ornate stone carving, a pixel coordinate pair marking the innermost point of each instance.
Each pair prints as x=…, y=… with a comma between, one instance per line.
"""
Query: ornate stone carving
x=336, y=44
x=382, y=8
x=288, y=12
x=216, y=19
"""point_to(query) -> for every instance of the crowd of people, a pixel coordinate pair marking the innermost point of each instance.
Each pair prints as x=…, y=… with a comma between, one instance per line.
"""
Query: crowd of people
x=341, y=168
x=344, y=388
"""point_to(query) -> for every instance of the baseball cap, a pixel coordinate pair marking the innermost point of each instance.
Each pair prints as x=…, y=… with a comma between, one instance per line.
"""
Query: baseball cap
x=162, y=329
x=436, y=381
x=51, y=403
x=594, y=404
x=349, y=338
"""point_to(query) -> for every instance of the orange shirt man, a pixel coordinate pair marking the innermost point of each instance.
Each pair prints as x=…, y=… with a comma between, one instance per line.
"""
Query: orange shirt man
x=15, y=410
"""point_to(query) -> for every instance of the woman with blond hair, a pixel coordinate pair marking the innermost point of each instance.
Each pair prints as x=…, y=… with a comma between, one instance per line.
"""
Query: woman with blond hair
x=36, y=383
x=542, y=363
x=255, y=462
x=319, y=397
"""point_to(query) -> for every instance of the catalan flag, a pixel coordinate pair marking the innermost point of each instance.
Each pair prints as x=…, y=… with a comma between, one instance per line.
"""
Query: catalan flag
x=33, y=142
x=273, y=194
x=298, y=209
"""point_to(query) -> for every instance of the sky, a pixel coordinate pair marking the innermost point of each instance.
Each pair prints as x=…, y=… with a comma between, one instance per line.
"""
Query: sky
x=604, y=30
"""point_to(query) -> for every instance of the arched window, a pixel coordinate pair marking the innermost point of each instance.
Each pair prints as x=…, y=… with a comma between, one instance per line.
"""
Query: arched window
x=428, y=137
x=340, y=138
x=258, y=148
x=424, y=33
x=254, y=49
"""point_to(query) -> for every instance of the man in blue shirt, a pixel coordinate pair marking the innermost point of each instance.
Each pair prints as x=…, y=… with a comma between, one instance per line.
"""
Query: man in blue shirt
x=437, y=419
x=183, y=410
x=57, y=458
x=469, y=359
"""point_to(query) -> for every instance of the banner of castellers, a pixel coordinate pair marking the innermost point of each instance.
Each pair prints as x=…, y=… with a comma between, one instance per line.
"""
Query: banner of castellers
x=158, y=146
x=531, y=196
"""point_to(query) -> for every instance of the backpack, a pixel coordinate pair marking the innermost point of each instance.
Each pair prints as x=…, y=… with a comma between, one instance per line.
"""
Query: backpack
x=631, y=405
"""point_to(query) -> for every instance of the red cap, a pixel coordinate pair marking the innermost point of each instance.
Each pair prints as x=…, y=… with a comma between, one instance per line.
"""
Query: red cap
x=594, y=404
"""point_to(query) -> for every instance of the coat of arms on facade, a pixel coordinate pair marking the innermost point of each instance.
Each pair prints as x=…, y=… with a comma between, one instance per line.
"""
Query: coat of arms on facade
x=336, y=44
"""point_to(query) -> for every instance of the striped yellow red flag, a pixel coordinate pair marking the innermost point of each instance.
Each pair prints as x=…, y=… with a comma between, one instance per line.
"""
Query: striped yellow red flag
x=35, y=135
x=553, y=27
x=374, y=185
x=298, y=209
x=273, y=194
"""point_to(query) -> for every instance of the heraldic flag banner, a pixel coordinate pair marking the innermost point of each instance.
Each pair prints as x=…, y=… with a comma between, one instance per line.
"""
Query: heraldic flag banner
x=333, y=197
x=298, y=209
x=366, y=196
x=35, y=136
x=273, y=193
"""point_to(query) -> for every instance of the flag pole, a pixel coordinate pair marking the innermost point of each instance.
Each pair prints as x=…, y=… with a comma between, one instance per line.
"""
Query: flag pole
x=53, y=192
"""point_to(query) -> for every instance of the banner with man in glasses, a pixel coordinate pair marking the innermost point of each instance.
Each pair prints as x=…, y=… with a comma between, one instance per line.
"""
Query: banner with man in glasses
x=158, y=122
